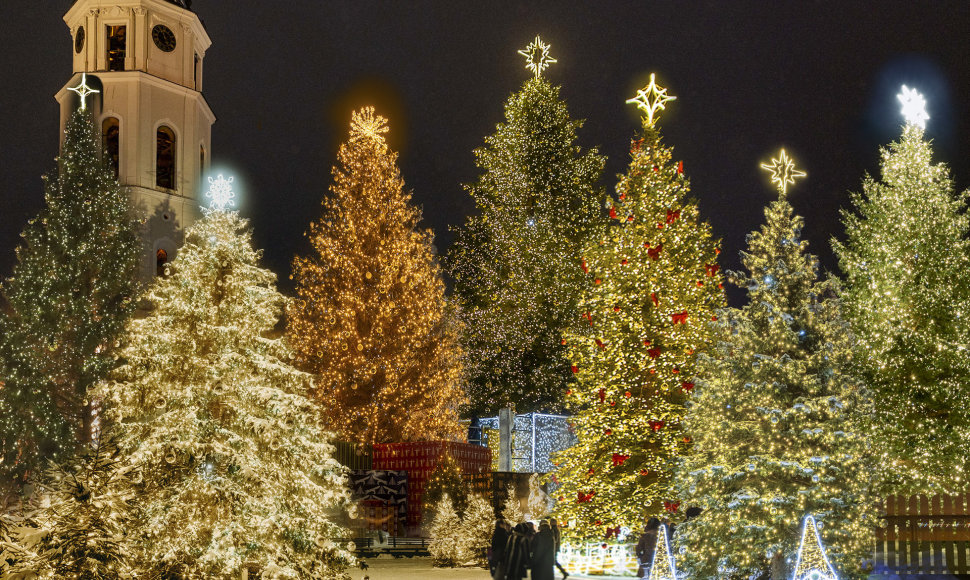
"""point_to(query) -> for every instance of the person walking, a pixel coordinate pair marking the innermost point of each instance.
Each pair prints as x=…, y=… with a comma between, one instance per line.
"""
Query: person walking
x=544, y=553
x=557, y=533
x=646, y=547
x=518, y=552
x=496, y=553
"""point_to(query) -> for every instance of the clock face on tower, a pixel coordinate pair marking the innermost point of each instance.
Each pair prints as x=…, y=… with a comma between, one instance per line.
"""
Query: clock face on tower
x=79, y=40
x=164, y=38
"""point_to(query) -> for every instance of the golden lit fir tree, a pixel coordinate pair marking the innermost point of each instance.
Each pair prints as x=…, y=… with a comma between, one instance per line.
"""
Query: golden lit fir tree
x=906, y=259
x=371, y=319
x=230, y=464
x=775, y=420
x=72, y=290
x=447, y=479
x=514, y=262
x=653, y=286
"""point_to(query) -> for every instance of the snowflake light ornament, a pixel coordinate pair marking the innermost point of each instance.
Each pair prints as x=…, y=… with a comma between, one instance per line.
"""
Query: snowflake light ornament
x=537, y=57
x=220, y=193
x=364, y=124
x=812, y=563
x=83, y=91
x=914, y=107
x=651, y=99
x=783, y=172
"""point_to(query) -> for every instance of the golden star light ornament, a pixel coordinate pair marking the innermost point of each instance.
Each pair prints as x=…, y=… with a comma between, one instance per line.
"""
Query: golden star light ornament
x=537, y=57
x=914, y=107
x=83, y=91
x=783, y=172
x=364, y=124
x=651, y=99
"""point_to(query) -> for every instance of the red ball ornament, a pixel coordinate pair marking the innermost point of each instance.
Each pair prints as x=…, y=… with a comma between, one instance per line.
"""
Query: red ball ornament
x=608, y=432
x=628, y=394
x=597, y=281
x=574, y=368
x=612, y=212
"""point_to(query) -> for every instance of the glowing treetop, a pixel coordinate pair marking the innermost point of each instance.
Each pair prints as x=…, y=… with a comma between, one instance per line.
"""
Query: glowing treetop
x=364, y=124
x=783, y=172
x=651, y=99
x=83, y=91
x=812, y=563
x=220, y=193
x=914, y=107
x=663, y=567
x=537, y=57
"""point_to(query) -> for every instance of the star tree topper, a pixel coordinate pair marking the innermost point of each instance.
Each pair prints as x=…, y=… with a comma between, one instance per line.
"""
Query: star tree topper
x=650, y=99
x=914, y=107
x=537, y=57
x=812, y=563
x=783, y=172
x=220, y=193
x=83, y=90
x=364, y=124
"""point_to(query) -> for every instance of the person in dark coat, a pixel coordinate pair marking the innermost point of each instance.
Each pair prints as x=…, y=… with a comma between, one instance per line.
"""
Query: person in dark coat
x=646, y=547
x=496, y=555
x=518, y=552
x=558, y=535
x=544, y=553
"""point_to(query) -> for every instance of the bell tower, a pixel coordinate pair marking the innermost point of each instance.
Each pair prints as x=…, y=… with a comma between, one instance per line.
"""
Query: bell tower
x=145, y=57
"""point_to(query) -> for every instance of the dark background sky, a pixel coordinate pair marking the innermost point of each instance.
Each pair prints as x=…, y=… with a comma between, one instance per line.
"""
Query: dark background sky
x=819, y=78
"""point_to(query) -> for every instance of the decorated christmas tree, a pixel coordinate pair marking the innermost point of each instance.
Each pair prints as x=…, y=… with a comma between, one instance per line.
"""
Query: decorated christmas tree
x=371, y=319
x=512, y=508
x=229, y=464
x=447, y=479
x=906, y=258
x=653, y=286
x=447, y=544
x=477, y=527
x=775, y=421
x=514, y=263
x=72, y=291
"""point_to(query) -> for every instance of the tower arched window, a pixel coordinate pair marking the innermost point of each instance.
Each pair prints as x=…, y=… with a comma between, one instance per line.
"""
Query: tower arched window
x=161, y=259
x=165, y=158
x=111, y=141
x=201, y=159
x=117, y=47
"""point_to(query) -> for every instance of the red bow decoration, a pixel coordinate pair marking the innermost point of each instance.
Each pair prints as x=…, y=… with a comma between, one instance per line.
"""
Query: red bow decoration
x=584, y=497
x=585, y=267
x=635, y=146
x=656, y=301
x=712, y=269
x=655, y=425
x=672, y=216
x=602, y=395
x=675, y=370
x=629, y=218
x=680, y=167
x=619, y=459
x=654, y=253
x=613, y=532
x=600, y=344
x=622, y=196
x=644, y=472
x=688, y=387
x=612, y=212
x=671, y=506
x=656, y=169
x=588, y=316
x=679, y=318
x=574, y=368
x=653, y=352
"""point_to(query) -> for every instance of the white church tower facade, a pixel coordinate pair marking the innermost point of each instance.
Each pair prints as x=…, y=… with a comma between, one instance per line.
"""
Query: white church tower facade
x=146, y=59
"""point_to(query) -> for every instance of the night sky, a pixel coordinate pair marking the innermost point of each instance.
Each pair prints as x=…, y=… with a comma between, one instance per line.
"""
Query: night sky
x=818, y=78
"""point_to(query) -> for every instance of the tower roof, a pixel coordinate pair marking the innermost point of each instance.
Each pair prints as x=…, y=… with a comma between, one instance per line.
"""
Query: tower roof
x=187, y=4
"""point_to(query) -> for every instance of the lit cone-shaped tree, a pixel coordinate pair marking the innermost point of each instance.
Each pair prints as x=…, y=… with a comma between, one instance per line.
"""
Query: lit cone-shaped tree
x=447, y=544
x=232, y=465
x=775, y=420
x=371, y=317
x=447, y=479
x=653, y=287
x=514, y=263
x=906, y=260
x=71, y=293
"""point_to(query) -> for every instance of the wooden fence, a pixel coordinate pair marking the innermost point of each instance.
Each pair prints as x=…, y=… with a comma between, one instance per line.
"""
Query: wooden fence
x=920, y=535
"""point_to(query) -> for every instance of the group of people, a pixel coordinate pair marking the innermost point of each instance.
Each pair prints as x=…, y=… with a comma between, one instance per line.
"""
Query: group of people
x=517, y=551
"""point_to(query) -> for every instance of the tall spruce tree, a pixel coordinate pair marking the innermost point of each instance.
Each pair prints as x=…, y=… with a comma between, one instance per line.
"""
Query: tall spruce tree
x=371, y=317
x=652, y=288
x=71, y=293
x=225, y=449
x=906, y=258
x=514, y=264
x=775, y=420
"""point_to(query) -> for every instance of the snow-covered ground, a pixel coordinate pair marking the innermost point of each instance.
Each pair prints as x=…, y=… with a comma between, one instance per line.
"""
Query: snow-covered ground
x=421, y=569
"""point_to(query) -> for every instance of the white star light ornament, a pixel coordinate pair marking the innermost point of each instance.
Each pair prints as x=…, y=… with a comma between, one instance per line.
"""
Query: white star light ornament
x=783, y=172
x=537, y=57
x=651, y=99
x=914, y=107
x=83, y=91
x=220, y=193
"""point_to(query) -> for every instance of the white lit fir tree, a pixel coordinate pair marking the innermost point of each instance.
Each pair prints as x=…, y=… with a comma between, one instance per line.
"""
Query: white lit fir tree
x=652, y=289
x=477, y=527
x=776, y=420
x=906, y=259
x=514, y=262
x=512, y=508
x=447, y=544
x=371, y=318
x=229, y=463
x=72, y=290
